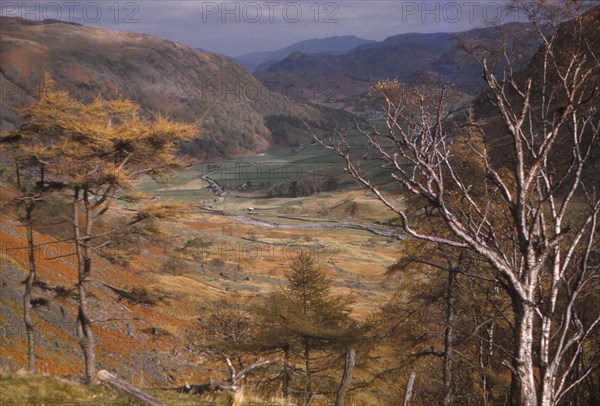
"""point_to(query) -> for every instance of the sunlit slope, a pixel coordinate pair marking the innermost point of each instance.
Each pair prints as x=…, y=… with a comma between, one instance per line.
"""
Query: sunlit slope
x=237, y=113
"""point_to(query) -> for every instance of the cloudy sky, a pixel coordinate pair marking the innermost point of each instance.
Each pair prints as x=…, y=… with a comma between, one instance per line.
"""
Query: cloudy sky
x=237, y=27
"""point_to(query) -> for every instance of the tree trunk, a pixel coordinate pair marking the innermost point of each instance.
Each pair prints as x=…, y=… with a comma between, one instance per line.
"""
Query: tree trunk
x=29, y=205
x=547, y=385
x=347, y=377
x=448, y=341
x=286, y=371
x=87, y=340
x=523, y=379
x=546, y=397
x=409, y=389
x=307, y=366
x=486, y=350
x=86, y=335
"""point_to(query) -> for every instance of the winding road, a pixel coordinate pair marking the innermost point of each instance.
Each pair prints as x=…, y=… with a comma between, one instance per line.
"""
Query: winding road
x=382, y=231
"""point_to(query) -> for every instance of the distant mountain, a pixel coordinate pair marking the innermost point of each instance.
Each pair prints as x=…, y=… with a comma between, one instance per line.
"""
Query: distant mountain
x=401, y=56
x=252, y=60
x=260, y=61
x=238, y=115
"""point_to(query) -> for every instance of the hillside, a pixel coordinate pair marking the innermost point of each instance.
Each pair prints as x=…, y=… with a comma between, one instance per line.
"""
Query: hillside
x=260, y=61
x=315, y=86
x=237, y=113
x=154, y=306
x=155, y=297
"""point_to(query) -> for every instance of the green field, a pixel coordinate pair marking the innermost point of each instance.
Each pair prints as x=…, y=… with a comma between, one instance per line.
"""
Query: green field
x=250, y=178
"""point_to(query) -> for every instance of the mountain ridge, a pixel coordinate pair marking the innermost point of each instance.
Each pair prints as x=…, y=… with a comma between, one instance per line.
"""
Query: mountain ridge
x=401, y=56
x=260, y=61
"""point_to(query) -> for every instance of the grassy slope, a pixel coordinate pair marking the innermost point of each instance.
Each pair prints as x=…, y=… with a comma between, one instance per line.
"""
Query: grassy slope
x=27, y=389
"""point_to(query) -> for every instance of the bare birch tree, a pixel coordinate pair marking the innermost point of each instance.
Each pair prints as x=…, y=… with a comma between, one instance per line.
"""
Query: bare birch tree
x=532, y=215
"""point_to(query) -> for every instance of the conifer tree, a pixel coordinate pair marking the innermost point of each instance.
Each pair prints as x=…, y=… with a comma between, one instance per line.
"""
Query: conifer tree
x=93, y=152
x=305, y=318
x=29, y=177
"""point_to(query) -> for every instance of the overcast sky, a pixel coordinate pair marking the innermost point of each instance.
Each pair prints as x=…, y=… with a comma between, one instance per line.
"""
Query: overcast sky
x=234, y=28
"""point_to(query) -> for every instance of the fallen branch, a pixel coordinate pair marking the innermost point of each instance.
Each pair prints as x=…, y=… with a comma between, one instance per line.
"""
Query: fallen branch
x=126, y=387
x=230, y=386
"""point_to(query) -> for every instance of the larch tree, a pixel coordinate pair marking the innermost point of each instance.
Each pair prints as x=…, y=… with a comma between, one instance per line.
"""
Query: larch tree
x=447, y=324
x=315, y=319
x=93, y=152
x=29, y=179
x=303, y=319
x=536, y=224
x=272, y=336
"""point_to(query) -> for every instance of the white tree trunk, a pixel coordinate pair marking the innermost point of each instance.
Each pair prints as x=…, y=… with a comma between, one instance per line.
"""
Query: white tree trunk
x=524, y=387
x=87, y=340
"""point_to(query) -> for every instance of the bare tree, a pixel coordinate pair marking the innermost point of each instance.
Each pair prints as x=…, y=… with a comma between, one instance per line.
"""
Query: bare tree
x=533, y=215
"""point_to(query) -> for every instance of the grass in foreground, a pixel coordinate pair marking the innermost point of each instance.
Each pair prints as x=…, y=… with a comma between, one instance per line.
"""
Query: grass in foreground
x=33, y=389
x=20, y=389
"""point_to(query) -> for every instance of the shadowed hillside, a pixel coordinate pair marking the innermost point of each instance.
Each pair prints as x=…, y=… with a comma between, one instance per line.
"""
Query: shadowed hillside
x=587, y=27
